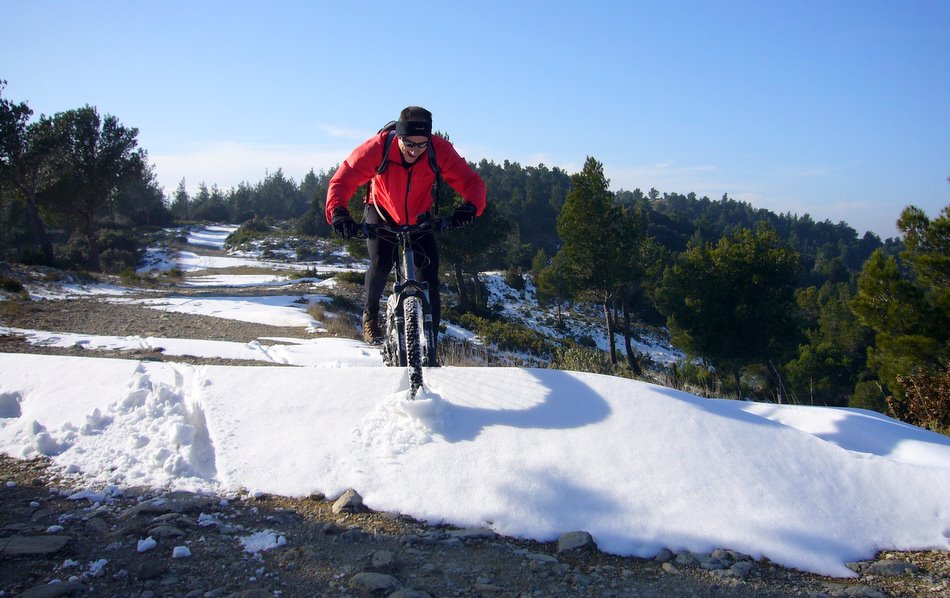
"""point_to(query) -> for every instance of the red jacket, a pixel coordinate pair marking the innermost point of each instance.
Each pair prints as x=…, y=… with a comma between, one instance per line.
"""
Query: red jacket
x=403, y=192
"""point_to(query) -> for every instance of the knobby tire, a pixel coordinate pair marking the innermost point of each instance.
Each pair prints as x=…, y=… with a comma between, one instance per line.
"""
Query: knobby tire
x=414, y=343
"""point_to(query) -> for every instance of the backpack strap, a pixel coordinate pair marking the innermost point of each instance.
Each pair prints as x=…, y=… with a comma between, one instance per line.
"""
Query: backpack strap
x=384, y=164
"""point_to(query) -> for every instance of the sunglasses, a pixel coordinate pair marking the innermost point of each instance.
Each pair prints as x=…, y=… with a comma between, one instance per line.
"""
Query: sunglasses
x=412, y=144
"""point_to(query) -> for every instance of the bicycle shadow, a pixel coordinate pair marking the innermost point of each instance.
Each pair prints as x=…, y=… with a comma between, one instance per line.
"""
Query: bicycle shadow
x=517, y=398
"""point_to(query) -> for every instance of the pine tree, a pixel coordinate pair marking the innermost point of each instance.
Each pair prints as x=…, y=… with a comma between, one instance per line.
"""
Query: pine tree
x=590, y=226
x=906, y=301
x=733, y=303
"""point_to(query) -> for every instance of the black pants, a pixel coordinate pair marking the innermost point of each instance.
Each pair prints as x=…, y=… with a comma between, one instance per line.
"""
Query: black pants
x=382, y=256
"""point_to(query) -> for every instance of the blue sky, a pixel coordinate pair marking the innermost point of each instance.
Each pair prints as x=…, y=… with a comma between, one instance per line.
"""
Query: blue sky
x=838, y=109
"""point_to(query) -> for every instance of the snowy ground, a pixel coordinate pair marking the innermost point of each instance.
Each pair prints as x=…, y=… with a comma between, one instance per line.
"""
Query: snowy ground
x=528, y=452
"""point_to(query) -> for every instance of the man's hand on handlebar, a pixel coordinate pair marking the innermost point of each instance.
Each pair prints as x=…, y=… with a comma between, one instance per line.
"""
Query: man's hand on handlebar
x=463, y=215
x=343, y=224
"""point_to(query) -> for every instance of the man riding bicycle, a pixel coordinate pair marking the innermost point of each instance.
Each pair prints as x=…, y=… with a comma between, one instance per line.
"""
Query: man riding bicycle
x=400, y=194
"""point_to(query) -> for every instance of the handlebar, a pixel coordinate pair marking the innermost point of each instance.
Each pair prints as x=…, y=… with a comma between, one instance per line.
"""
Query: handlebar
x=367, y=230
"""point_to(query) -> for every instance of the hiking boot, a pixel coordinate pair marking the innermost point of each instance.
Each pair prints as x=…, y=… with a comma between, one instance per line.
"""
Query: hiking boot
x=372, y=333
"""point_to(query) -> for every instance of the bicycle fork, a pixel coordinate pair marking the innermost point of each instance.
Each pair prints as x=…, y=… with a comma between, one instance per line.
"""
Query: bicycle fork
x=419, y=290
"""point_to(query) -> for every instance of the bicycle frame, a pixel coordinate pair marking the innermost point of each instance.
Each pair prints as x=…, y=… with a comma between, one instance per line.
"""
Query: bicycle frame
x=408, y=285
x=407, y=341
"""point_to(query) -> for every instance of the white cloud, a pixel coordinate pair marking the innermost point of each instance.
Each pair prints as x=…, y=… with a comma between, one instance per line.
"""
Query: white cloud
x=344, y=133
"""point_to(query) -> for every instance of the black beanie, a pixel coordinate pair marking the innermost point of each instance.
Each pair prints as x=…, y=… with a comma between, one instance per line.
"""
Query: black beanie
x=412, y=128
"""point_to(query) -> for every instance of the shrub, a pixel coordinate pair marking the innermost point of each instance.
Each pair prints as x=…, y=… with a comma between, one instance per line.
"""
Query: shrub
x=31, y=257
x=11, y=285
x=509, y=337
x=76, y=251
x=583, y=359
x=337, y=324
x=514, y=279
x=696, y=378
x=351, y=277
x=119, y=239
x=868, y=394
x=926, y=400
x=249, y=231
x=115, y=261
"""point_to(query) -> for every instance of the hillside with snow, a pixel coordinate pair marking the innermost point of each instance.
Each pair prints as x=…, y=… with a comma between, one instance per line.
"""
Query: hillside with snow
x=528, y=452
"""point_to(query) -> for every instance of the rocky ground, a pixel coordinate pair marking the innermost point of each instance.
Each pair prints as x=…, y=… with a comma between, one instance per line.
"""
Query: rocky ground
x=58, y=536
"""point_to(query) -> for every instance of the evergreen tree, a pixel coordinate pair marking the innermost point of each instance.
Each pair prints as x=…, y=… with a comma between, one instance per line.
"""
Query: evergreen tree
x=30, y=158
x=550, y=281
x=102, y=158
x=830, y=364
x=733, y=303
x=906, y=301
x=181, y=202
x=473, y=249
x=591, y=228
x=141, y=202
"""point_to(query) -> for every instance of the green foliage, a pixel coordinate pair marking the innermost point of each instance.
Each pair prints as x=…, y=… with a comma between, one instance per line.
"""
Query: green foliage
x=115, y=261
x=829, y=365
x=508, y=336
x=696, y=378
x=351, y=277
x=514, y=278
x=906, y=302
x=551, y=283
x=603, y=245
x=530, y=198
x=586, y=359
x=868, y=394
x=251, y=230
x=589, y=228
x=11, y=285
x=732, y=303
x=474, y=248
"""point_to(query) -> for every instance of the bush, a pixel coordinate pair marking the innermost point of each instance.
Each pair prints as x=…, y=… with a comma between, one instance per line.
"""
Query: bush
x=351, y=277
x=115, y=261
x=76, y=251
x=249, y=231
x=514, y=279
x=115, y=248
x=31, y=257
x=868, y=394
x=582, y=359
x=337, y=324
x=119, y=239
x=11, y=285
x=509, y=337
x=926, y=400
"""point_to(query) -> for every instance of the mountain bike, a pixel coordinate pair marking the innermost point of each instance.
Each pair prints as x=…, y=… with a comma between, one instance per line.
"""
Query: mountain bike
x=408, y=332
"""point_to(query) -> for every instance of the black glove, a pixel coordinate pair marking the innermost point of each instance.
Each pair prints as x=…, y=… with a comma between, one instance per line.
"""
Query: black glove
x=464, y=214
x=343, y=224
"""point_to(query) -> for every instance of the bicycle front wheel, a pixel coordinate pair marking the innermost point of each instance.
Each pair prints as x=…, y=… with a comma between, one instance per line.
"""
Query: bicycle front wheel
x=414, y=343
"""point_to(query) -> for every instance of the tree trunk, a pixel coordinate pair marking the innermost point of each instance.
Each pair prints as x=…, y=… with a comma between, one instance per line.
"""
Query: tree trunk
x=632, y=358
x=89, y=229
x=610, y=331
x=782, y=392
x=39, y=229
x=736, y=379
x=460, y=287
x=478, y=298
